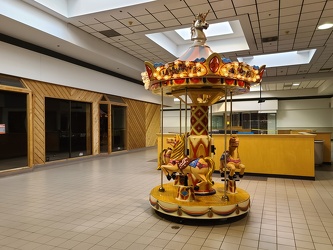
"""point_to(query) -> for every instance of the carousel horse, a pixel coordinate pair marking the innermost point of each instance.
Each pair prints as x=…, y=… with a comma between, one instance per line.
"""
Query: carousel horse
x=232, y=159
x=199, y=170
x=197, y=27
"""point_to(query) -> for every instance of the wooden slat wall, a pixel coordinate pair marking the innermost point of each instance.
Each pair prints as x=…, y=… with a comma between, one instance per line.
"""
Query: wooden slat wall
x=136, y=124
x=41, y=90
x=153, y=117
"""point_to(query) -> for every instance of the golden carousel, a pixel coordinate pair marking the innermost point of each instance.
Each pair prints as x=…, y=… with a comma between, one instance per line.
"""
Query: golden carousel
x=200, y=78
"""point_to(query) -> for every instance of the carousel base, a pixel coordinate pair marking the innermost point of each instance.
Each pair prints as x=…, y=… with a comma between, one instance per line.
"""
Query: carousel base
x=216, y=206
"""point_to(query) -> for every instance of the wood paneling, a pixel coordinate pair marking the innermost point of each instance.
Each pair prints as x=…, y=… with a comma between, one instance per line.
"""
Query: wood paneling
x=136, y=124
x=153, y=118
x=41, y=90
x=143, y=119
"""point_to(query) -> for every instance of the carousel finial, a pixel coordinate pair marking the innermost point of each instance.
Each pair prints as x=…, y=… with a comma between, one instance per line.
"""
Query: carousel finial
x=197, y=34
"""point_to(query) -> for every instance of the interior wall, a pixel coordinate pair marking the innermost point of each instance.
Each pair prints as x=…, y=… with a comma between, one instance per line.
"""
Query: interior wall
x=315, y=114
x=31, y=65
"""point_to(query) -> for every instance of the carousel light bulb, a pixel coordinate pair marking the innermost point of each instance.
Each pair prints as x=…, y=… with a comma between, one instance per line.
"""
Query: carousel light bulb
x=236, y=64
x=159, y=77
x=187, y=63
x=257, y=77
x=155, y=74
x=190, y=74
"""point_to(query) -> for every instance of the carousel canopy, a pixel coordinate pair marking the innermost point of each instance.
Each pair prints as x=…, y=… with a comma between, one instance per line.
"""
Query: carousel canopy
x=200, y=76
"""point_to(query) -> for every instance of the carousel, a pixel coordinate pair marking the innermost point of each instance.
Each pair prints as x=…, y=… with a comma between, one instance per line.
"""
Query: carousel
x=200, y=78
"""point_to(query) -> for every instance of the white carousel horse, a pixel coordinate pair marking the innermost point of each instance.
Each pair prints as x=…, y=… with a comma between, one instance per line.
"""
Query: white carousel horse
x=200, y=169
x=198, y=25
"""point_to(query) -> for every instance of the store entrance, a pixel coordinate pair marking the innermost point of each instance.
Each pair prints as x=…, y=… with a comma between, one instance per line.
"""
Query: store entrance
x=118, y=114
x=13, y=130
x=112, y=124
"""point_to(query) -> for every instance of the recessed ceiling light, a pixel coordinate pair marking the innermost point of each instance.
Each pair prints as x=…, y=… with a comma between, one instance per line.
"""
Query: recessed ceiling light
x=325, y=26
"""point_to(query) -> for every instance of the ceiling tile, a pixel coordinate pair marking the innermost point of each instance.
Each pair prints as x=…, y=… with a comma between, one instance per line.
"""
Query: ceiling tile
x=312, y=7
x=154, y=26
x=289, y=3
x=138, y=28
x=201, y=8
x=225, y=13
x=99, y=27
x=183, y=12
x=171, y=23
x=165, y=15
x=114, y=24
x=246, y=10
x=146, y=19
x=290, y=11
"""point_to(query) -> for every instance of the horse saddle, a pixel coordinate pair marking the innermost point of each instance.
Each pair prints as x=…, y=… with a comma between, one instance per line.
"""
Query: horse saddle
x=184, y=163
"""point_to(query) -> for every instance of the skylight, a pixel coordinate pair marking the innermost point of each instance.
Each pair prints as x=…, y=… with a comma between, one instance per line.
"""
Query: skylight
x=224, y=37
x=216, y=29
x=72, y=8
x=280, y=59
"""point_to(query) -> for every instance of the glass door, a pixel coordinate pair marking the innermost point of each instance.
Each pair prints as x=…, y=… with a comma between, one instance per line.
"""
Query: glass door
x=118, y=114
x=13, y=130
x=103, y=128
x=67, y=129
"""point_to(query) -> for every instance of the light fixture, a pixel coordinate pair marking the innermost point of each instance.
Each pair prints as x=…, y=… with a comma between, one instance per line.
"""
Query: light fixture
x=261, y=100
x=325, y=26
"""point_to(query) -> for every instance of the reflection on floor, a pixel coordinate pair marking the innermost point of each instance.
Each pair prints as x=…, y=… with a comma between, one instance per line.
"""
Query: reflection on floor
x=102, y=203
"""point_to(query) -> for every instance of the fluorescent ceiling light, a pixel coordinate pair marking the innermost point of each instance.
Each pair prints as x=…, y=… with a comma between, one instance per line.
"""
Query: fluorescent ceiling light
x=232, y=40
x=216, y=29
x=296, y=84
x=325, y=26
x=280, y=59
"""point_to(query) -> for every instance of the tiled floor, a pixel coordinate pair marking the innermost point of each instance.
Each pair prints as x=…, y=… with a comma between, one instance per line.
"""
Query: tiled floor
x=102, y=203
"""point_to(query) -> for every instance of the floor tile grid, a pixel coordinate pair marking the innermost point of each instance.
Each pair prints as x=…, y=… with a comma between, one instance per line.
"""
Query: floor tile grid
x=89, y=205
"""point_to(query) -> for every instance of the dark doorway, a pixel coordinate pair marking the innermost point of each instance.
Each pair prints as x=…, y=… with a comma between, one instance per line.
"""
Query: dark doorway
x=13, y=130
x=67, y=129
x=118, y=114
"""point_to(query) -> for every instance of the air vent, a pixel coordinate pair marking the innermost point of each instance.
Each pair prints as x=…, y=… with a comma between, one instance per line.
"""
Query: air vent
x=325, y=69
x=269, y=39
x=110, y=33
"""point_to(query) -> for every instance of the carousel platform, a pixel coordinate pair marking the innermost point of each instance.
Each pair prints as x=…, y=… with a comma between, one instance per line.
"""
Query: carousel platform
x=201, y=207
